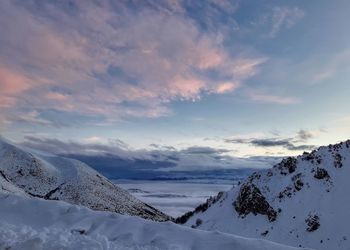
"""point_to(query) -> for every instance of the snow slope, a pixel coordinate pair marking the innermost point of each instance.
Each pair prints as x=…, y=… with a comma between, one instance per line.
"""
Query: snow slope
x=31, y=223
x=301, y=201
x=57, y=178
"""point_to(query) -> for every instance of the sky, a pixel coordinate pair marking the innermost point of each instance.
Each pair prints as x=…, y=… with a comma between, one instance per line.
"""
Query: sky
x=210, y=83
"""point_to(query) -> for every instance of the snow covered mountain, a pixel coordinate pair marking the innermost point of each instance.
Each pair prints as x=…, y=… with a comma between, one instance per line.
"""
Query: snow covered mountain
x=301, y=201
x=31, y=223
x=57, y=178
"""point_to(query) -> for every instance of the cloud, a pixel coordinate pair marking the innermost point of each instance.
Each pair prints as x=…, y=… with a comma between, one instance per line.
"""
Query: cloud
x=92, y=145
x=266, y=98
x=11, y=84
x=300, y=147
x=110, y=59
x=304, y=135
x=217, y=16
x=284, y=17
x=336, y=64
x=291, y=144
x=226, y=87
x=269, y=142
x=195, y=158
x=204, y=150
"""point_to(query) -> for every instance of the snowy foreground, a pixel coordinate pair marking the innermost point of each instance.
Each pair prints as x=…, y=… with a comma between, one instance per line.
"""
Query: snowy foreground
x=31, y=223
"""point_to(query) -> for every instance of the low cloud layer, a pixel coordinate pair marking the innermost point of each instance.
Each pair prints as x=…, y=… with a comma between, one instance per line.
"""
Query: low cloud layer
x=162, y=158
x=292, y=144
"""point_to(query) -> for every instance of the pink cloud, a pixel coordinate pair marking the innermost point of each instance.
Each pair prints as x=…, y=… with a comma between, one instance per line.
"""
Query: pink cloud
x=162, y=56
x=209, y=59
x=56, y=96
x=6, y=102
x=11, y=82
x=226, y=87
x=187, y=88
x=266, y=98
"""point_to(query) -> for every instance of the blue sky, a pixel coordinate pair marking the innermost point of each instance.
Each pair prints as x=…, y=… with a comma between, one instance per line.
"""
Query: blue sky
x=256, y=78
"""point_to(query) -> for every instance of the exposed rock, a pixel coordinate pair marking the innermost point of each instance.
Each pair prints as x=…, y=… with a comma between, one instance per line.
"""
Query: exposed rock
x=338, y=161
x=298, y=184
x=269, y=173
x=313, y=157
x=313, y=223
x=287, y=166
x=250, y=200
x=286, y=192
x=321, y=173
x=265, y=233
x=198, y=223
x=200, y=209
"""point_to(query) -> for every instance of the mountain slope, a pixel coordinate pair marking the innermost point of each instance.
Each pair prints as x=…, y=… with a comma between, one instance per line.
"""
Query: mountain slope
x=301, y=201
x=38, y=224
x=56, y=178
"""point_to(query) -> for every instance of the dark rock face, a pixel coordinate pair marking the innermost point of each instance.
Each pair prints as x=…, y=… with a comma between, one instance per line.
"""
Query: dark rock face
x=198, y=223
x=264, y=233
x=338, y=161
x=287, y=166
x=287, y=192
x=313, y=223
x=250, y=200
x=297, y=181
x=298, y=184
x=312, y=157
x=321, y=173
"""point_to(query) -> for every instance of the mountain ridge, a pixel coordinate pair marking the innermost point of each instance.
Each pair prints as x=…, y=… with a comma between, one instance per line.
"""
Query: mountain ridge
x=52, y=177
x=299, y=202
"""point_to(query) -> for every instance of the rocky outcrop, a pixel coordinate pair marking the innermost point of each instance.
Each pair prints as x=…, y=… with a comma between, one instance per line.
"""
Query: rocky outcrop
x=313, y=223
x=287, y=166
x=200, y=209
x=321, y=173
x=338, y=161
x=250, y=200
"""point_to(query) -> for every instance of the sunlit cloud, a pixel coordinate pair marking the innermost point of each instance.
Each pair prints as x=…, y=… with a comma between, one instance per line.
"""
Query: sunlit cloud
x=226, y=87
x=11, y=84
x=175, y=72
x=93, y=59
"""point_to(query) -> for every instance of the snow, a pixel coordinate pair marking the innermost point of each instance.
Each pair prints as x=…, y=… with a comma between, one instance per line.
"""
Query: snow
x=323, y=197
x=58, y=178
x=31, y=223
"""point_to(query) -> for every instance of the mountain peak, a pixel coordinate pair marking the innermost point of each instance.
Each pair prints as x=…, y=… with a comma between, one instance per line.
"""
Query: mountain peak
x=300, y=201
